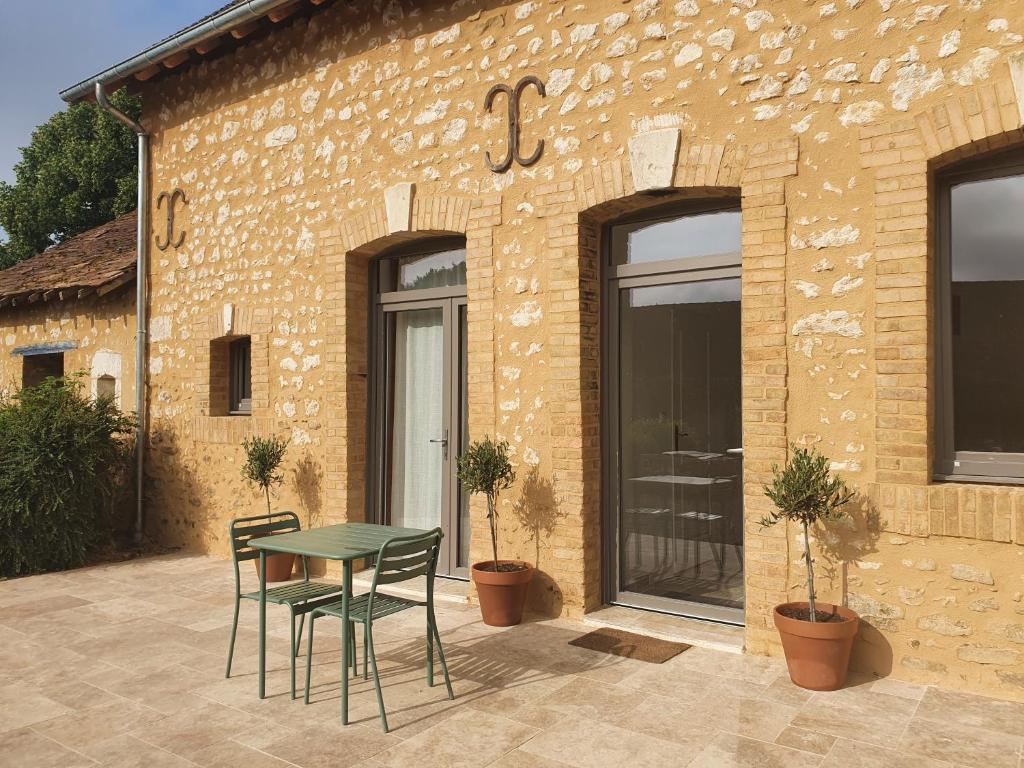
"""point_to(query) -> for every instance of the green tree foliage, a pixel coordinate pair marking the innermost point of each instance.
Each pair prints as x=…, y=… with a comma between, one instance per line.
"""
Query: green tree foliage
x=485, y=468
x=806, y=493
x=263, y=457
x=63, y=457
x=77, y=172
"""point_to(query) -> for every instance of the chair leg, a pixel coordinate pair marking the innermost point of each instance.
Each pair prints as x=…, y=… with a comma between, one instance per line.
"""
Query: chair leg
x=366, y=669
x=430, y=652
x=291, y=647
x=309, y=659
x=231, y=642
x=298, y=635
x=376, y=676
x=352, y=647
x=440, y=655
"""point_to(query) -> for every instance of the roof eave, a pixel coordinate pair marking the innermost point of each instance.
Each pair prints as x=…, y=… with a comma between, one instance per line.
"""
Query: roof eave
x=213, y=27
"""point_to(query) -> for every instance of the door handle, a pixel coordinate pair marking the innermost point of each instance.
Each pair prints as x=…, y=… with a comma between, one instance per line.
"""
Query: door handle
x=444, y=443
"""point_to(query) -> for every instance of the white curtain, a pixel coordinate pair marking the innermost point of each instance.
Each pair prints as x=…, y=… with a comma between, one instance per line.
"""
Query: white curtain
x=418, y=414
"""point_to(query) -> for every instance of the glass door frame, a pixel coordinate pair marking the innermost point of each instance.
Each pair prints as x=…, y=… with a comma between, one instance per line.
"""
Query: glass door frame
x=378, y=468
x=614, y=279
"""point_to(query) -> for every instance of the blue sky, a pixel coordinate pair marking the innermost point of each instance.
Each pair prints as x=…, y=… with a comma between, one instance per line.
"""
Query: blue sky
x=47, y=45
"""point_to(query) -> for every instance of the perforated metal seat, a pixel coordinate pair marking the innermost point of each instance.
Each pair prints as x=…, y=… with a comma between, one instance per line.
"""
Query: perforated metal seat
x=296, y=592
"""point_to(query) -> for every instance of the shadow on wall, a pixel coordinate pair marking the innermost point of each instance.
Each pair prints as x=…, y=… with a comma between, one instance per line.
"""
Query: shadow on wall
x=178, y=501
x=536, y=512
x=844, y=544
x=307, y=479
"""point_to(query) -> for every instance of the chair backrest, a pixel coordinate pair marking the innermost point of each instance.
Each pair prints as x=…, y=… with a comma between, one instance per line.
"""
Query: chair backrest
x=407, y=557
x=242, y=529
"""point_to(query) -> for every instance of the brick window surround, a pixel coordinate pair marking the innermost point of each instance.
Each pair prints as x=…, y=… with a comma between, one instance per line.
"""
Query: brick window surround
x=577, y=213
x=401, y=215
x=214, y=332
x=905, y=155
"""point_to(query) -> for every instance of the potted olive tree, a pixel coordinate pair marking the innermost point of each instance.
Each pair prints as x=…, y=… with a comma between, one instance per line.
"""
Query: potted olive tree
x=816, y=637
x=501, y=584
x=263, y=457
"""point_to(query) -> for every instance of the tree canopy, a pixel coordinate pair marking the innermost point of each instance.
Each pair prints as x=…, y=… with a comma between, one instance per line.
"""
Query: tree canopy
x=77, y=172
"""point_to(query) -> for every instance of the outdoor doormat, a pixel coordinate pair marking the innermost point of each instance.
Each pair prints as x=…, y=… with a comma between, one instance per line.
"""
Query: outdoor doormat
x=632, y=646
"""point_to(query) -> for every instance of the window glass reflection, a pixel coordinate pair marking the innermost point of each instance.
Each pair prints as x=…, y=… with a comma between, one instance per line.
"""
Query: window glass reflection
x=987, y=293
x=701, y=234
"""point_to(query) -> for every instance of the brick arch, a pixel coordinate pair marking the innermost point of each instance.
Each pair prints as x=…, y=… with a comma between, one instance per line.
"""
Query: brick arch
x=347, y=252
x=904, y=155
x=576, y=212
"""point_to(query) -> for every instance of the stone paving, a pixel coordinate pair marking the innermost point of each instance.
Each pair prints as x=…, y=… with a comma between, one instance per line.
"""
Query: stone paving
x=122, y=665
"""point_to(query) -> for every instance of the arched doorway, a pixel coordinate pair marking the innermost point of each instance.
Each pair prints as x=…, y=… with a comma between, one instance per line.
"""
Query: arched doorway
x=419, y=383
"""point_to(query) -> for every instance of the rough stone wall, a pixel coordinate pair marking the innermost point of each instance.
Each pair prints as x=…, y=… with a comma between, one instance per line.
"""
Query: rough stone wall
x=825, y=118
x=102, y=328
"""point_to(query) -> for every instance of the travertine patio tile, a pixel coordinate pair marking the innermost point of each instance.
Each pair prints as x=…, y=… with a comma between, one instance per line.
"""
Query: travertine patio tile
x=806, y=741
x=785, y=691
x=82, y=729
x=687, y=725
x=519, y=759
x=968, y=709
x=755, y=718
x=857, y=754
x=585, y=744
x=956, y=742
x=728, y=750
x=899, y=688
x=192, y=730
x=126, y=751
x=465, y=740
x=325, y=747
x=20, y=707
x=582, y=698
x=25, y=747
x=231, y=754
x=858, y=714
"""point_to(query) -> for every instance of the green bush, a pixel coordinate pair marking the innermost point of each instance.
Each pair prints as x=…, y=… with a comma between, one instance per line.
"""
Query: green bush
x=63, y=457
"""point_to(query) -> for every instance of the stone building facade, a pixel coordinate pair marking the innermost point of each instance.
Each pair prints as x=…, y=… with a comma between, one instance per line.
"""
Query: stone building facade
x=333, y=134
x=71, y=311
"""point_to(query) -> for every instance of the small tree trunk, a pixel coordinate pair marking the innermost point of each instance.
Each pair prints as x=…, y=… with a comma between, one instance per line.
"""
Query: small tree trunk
x=494, y=530
x=267, y=492
x=810, y=575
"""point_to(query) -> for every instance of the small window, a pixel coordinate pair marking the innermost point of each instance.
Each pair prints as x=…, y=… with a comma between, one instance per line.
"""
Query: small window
x=700, y=235
x=106, y=387
x=981, y=331
x=240, y=379
x=37, y=368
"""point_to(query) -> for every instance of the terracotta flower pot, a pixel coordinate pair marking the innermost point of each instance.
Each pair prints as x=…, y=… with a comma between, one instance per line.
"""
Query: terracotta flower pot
x=279, y=566
x=503, y=593
x=817, y=652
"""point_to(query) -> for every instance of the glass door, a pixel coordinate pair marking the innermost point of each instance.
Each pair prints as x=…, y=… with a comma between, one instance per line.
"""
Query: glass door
x=419, y=419
x=674, y=443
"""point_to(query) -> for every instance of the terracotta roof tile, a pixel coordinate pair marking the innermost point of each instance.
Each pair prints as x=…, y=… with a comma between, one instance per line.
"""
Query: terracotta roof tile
x=97, y=260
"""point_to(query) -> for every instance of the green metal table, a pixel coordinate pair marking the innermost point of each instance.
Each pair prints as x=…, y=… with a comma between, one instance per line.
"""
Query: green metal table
x=345, y=542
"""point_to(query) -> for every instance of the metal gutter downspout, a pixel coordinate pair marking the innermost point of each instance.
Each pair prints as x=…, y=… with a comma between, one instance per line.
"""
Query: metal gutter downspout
x=141, y=269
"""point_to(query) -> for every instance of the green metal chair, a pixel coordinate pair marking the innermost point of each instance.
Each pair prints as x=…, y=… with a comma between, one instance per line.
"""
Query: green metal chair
x=400, y=559
x=295, y=594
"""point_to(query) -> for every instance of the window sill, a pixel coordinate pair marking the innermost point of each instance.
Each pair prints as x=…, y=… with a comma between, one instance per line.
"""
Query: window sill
x=978, y=479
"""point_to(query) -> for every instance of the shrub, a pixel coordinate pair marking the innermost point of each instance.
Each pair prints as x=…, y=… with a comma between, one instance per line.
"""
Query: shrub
x=805, y=493
x=62, y=458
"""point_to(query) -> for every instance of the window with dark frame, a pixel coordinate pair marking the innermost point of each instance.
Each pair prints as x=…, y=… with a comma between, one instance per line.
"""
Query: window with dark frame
x=240, y=377
x=980, y=328
x=37, y=368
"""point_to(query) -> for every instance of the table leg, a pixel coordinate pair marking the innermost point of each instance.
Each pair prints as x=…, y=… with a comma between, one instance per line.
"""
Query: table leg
x=263, y=623
x=346, y=589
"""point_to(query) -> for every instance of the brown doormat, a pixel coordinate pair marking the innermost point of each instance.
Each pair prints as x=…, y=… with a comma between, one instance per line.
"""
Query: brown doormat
x=632, y=646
